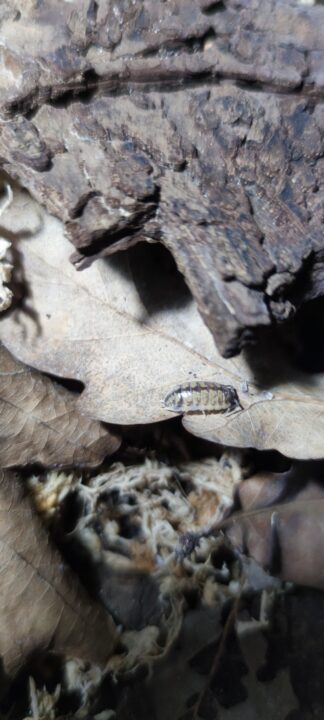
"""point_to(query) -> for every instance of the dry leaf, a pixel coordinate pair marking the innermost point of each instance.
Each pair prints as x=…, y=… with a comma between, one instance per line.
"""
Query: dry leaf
x=108, y=327
x=41, y=601
x=281, y=526
x=40, y=421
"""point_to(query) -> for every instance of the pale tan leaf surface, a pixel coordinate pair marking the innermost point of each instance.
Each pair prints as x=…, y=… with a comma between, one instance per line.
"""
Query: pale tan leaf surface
x=281, y=525
x=40, y=421
x=104, y=327
x=41, y=602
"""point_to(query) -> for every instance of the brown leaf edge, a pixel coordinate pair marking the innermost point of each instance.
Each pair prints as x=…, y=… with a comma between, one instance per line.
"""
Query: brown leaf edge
x=278, y=519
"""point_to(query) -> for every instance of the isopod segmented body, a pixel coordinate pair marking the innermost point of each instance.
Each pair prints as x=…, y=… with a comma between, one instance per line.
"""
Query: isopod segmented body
x=202, y=397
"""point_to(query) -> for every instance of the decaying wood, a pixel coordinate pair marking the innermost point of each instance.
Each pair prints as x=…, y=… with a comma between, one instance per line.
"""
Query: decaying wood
x=131, y=335
x=204, y=131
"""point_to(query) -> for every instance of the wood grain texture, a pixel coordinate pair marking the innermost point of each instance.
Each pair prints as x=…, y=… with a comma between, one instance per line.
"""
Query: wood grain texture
x=199, y=127
x=130, y=333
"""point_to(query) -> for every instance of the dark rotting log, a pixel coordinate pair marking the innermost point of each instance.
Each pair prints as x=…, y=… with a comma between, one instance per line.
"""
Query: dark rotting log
x=197, y=124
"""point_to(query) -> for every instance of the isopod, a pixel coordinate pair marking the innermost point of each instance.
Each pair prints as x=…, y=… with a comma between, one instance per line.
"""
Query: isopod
x=202, y=397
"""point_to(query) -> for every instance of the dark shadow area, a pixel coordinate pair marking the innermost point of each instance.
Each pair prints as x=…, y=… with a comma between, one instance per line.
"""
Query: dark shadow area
x=73, y=507
x=75, y=386
x=88, y=86
x=167, y=441
x=271, y=460
x=4, y=686
x=77, y=557
x=295, y=640
x=14, y=701
x=293, y=351
x=18, y=283
x=272, y=358
x=153, y=271
x=46, y=669
x=226, y=683
x=214, y=8
x=157, y=279
x=307, y=337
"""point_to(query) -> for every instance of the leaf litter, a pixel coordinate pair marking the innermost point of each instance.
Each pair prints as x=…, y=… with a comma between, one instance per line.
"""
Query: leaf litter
x=42, y=603
x=127, y=521
x=100, y=326
x=281, y=409
x=131, y=519
x=40, y=421
x=280, y=524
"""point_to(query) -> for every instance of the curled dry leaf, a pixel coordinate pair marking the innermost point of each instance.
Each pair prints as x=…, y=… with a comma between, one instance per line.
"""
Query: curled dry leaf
x=281, y=526
x=41, y=602
x=40, y=421
x=130, y=335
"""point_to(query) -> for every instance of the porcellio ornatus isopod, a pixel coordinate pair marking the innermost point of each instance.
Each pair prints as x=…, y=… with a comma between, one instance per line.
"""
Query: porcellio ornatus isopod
x=202, y=397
